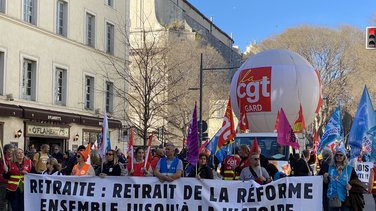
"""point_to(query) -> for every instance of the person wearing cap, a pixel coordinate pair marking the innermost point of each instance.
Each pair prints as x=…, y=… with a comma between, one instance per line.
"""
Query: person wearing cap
x=82, y=168
x=255, y=171
x=338, y=177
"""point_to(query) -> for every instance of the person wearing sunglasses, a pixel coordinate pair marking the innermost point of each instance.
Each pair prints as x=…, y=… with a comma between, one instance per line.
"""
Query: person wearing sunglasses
x=53, y=167
x=82, y=168
x=255, y=171
x=340, y=173
x=110, y=166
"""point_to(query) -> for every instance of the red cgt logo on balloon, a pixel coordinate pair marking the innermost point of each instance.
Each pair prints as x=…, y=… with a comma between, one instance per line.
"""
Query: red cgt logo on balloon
x=253, y=89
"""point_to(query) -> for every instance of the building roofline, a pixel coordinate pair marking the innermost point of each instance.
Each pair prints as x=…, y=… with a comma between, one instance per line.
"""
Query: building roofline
x=215, y=26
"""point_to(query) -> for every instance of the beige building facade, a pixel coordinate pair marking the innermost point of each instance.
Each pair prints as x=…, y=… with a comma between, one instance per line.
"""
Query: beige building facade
x=52, y=84
x=177, y=20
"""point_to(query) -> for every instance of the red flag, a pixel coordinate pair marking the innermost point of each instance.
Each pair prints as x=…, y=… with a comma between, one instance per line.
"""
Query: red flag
x=227, y=132
x=286, y=135
x=276, y=123
x=148, y=157
x=299, y=124
x=315, y=141
x=254, y=149
x=130, y=147
x=243, y=121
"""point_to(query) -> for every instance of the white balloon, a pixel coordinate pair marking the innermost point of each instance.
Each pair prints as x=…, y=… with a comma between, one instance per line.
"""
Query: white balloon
x=271, y=80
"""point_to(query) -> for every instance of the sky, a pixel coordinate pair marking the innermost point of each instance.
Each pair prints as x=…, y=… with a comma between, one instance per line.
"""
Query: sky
x=256, y=20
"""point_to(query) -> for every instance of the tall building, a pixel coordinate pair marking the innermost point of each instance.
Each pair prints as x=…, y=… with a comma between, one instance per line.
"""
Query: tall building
x=53, y=87
x=177, y=20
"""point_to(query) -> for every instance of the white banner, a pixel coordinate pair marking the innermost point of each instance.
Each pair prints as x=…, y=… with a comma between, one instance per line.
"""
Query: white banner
x=363, y=170
x=148, y=193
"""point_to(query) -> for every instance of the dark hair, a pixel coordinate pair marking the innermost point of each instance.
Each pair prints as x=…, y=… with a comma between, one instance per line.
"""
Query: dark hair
x=81, y=147
x=271, y=169
x=138, y=149
x=204, y=154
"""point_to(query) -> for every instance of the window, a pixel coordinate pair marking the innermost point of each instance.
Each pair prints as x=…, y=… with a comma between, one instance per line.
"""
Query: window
x=110, y=3
x=110, y=38
x=60, y=86
x=61, y=18
x=2, y=68
x=29, y=79
x=2, y=6
x=30, y=11
x=109, y=97
x=89, y=93
x=90, y=30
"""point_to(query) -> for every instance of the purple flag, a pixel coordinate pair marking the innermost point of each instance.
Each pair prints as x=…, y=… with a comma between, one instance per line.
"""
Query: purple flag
x=192, y=140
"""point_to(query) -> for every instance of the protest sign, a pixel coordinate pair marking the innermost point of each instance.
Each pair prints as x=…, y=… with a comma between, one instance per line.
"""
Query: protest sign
x=148, y=193
x=363, y=170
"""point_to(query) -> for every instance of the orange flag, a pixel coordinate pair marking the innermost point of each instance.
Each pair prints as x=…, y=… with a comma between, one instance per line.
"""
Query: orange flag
x=299, y=124
x=276, y=122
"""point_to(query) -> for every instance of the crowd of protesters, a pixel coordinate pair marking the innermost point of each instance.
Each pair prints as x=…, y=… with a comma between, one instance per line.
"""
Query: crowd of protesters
x=167, y=164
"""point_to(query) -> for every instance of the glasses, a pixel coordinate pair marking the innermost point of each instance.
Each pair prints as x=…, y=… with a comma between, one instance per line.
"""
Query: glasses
x=109, y=153
x=339, y=155
x=256, y=159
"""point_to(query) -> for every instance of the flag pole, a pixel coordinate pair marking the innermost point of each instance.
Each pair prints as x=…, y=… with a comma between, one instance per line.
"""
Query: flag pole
x=2, y=153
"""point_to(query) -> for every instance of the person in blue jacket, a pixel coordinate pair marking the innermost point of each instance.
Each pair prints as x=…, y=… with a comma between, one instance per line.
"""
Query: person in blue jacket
x=169, y=168
x=338, y=176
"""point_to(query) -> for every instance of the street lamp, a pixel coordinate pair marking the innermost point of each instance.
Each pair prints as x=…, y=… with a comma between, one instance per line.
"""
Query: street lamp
x=200, y=103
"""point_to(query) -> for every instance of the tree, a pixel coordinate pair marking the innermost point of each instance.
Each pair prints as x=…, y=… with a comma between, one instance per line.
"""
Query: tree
x=154, y=84
x=340, y=57
x=216, y=84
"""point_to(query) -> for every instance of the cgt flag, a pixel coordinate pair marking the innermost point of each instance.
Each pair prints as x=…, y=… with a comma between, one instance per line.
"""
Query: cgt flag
x=243, y=121
x=227, y=132
x=364, y=120
x=285, y=134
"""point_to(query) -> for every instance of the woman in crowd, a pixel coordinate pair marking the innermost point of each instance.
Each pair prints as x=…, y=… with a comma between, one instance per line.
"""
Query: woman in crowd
x=203, y=170
x=273, y=172
x=137, y=166
x=82, y=168
x=110, y=166
x=338, y=176
x=19, y=166
x=53, y=167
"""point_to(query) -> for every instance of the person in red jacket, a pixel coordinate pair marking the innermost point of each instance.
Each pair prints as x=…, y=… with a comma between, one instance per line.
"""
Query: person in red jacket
x=139, y=168
x=7, y=150
x=19, y=166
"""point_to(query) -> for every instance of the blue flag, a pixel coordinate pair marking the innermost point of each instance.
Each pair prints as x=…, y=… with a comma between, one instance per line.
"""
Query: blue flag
x=333, y=130
x=364, y=120
x=192, y=140
x=212, y=145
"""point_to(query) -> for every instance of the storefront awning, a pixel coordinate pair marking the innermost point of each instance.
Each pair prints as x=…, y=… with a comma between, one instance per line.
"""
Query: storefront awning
x=50, y=115
x=10, y=110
